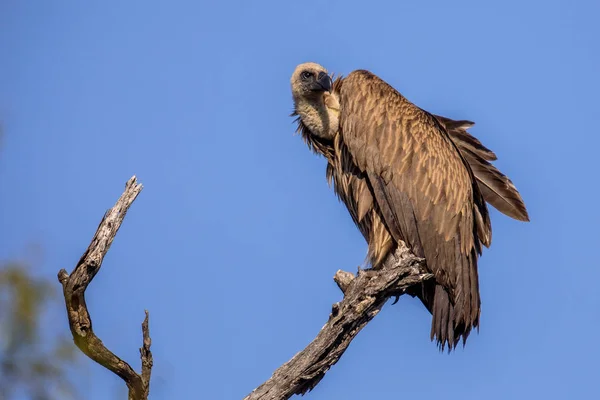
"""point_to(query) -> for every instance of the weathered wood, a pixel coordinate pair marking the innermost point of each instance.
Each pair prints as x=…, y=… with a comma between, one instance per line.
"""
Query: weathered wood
x=364, y=296
x=80, y=321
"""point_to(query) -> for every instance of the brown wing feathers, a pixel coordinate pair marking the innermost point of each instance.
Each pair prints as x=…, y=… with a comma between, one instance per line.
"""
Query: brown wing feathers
x=424, y=192
x=497, y=188
x=458, y=133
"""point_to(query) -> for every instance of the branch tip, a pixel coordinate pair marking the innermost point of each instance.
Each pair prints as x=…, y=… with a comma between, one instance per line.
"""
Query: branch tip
x=63, y=277
x=343, y=280
x=146, y=354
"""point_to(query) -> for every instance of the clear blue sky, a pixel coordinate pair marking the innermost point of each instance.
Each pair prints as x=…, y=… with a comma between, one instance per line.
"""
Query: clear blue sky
x=234, y=241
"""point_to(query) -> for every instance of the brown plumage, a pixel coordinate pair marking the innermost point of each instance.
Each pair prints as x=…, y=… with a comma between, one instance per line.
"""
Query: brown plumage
x=407, y=175
x=497, y=188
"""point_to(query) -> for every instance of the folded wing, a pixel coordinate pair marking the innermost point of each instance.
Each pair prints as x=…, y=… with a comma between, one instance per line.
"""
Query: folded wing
x=425, y=192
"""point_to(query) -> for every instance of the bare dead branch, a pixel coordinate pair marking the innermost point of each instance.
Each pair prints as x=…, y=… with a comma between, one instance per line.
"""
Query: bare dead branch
x=146, y=354
x=80, y=322
x=364, y=296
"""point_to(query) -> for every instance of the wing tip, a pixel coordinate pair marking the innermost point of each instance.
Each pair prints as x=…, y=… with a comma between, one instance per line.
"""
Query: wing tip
x=522, y=215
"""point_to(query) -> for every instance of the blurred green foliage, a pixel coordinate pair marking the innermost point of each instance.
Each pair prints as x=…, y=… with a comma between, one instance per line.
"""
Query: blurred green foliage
x=34, y=359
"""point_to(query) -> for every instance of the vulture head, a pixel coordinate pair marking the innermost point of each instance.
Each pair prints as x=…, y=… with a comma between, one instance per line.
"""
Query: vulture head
x=310, y=80
x=314, y=102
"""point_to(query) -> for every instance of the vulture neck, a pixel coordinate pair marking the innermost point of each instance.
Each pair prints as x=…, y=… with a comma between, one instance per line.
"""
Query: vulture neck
x=320, y=114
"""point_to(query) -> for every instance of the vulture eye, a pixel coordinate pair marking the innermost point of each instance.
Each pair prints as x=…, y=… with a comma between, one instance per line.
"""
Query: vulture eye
x=306, y=75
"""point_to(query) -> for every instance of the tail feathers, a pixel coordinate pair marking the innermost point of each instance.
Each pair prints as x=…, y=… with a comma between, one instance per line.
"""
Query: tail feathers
x=452, y=320
x=449, y=322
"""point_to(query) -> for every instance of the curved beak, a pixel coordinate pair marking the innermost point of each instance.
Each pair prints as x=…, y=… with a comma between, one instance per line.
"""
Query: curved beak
x=324, y=81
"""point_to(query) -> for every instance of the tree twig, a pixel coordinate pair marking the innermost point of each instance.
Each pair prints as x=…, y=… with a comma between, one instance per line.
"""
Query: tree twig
x=364, y=296
x=80, y=322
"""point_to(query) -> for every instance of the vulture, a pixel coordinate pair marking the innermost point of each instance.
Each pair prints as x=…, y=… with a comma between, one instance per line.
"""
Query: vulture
x=407, y=175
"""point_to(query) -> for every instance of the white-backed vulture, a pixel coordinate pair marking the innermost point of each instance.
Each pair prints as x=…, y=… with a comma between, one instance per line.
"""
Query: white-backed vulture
x=408, y=175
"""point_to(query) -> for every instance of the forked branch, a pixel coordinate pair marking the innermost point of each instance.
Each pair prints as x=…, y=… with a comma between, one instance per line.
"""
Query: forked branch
x=80, y=322
x=364, y=296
